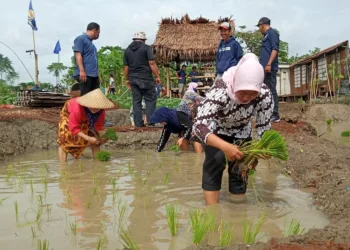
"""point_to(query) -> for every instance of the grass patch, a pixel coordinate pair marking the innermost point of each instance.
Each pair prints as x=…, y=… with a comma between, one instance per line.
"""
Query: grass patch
x=103, y=155
x=293, y=228
x=172, y=212
x=249, y=232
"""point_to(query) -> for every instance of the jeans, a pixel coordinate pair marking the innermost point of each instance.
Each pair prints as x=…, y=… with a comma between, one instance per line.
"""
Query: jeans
x=271, y=82
x=143, y=89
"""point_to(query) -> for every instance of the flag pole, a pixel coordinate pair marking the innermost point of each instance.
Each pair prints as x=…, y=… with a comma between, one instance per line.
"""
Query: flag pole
x=36, y=61
x=58, y=76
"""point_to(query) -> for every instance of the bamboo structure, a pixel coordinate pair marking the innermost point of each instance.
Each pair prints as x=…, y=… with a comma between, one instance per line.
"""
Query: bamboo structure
x=29, y=98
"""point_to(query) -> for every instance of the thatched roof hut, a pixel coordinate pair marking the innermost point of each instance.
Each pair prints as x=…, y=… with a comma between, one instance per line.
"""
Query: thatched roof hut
x=188, y=40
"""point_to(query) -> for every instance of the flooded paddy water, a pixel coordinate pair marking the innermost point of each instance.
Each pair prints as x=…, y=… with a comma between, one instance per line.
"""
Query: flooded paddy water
x=81, y=205
x=333, y=132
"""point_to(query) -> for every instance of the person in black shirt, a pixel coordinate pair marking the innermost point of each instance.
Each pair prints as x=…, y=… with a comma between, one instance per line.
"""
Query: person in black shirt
x=139, y=64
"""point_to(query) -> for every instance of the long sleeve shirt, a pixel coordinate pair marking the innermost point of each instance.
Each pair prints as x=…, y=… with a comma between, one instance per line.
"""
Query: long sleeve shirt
x=219, y=114
x=186, y=132
x=77, y=116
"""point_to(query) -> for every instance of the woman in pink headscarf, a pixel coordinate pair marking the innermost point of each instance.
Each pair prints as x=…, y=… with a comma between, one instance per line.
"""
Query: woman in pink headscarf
x=224, y=120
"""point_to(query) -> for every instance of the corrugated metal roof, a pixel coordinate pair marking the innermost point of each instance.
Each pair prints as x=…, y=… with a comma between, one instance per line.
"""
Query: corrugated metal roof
x=322, y=52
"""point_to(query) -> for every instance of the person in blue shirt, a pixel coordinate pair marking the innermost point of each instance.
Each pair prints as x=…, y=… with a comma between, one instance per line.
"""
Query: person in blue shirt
x=85, y=54
x=193, y=74
x=269, y=60
x=229, y=51
x=181, y=75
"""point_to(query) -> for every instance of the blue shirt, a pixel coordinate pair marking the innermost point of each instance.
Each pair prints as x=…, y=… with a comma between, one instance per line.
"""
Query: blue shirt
x=271, y=41
x=181, y=73
x=194, y=74
x=83, y=44
x=229, y=53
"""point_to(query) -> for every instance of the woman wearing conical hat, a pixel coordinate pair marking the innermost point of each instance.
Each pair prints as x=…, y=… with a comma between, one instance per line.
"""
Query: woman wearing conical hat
x=81, y=124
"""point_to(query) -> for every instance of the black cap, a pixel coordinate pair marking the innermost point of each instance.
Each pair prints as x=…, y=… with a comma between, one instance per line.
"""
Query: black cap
x=264, y=20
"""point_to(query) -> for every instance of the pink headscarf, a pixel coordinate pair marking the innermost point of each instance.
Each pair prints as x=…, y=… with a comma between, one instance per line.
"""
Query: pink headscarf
x=248, y=74
x=192, y=86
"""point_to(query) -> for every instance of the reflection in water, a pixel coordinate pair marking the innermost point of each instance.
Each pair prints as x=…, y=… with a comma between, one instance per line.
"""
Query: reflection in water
x=94, y=196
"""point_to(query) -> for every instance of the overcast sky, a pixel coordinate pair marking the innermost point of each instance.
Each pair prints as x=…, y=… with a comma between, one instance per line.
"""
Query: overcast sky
x=304, y=24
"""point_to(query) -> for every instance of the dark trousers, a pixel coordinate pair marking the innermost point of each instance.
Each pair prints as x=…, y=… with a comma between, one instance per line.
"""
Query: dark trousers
x=143, y=89
x=271, y=82
x=91, y=84
x=213, y=170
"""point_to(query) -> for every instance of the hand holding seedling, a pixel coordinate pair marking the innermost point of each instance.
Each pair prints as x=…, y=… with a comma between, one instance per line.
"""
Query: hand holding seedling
x=232, y=152
x=180, y=142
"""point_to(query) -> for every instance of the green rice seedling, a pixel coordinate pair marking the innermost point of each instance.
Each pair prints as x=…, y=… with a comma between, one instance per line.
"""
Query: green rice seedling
x=166, y=180
x=95, y=190
x=175, y=148
x=345, y=133
x=69, y=198
x=226, y=232
x=200, y=224
x=40, y=200
x=122, y=210
x=153, y=188
x=46, y=183
x=20, y=183
x=271, y=144
x=101, y=243
x=211, y=219
x=64, y=174
x=89, y=204
x=329, y=122
x=127, y=239
x=43, y=245
x=2, y=200
x=110, y=134
x=250, y=233
x=172, y=211
x=16, y=210
x=144, y=181
x=103, y=224
x=147, y=201
x=114, y=197
x=113, y=182
x=31, y=187
x=293, y=228
x=103, y=155
x=73, y=228
x=81, y=168
x=10, y=172
x=33, y=230
x=48, y=211
x=120, y=170
x=39, y=214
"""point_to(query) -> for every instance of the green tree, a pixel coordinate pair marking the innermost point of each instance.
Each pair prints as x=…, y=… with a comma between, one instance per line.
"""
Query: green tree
x=6, y=70
x=68, y=79
x=296, y=58
x=110, y=61
x=56, y=69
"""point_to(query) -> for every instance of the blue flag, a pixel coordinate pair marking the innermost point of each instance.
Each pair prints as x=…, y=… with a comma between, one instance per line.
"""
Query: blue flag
x=57, y=48
x=31, y=17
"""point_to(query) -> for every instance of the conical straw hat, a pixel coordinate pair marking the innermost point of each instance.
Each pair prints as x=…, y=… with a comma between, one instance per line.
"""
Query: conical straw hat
x=96, y=100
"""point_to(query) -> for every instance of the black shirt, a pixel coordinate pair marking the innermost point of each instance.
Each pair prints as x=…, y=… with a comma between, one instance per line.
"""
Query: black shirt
x=137, y=57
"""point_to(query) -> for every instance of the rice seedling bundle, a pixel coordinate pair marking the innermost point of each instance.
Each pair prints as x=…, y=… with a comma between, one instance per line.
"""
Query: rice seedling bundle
x=345, y=133
x=271, y=144
x=110, y=134
x=294, y=228
x=103, y=155
x=172, y=218
x=201, y=223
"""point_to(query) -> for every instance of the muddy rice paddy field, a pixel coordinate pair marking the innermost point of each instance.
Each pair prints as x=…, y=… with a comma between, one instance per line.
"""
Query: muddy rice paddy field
x=93, y=205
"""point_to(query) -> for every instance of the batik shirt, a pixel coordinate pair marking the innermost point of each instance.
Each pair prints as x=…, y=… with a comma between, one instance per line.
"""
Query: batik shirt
x=219, y=114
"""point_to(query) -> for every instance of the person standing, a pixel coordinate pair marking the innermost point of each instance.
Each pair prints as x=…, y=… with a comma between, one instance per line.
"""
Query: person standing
x=111, y=89
x=85, y=54
x=229, y=51
x=269, y=60
x=193, y=74
x=181, y=75
x=139, y=64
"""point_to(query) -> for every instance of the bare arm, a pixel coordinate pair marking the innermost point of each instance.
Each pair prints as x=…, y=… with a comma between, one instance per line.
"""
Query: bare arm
x=126, y=72
x=274, y=54
x=154, y=68
x=79, y=60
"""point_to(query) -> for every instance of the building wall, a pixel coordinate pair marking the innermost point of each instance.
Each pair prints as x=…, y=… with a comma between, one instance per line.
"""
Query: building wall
x=300, y=79
x=283, y=82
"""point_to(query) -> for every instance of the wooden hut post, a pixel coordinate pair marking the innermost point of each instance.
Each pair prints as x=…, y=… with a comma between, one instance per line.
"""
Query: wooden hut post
x=168, y=82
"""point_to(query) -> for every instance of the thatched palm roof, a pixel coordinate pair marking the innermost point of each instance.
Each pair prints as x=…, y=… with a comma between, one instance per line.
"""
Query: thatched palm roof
x=192, y=40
